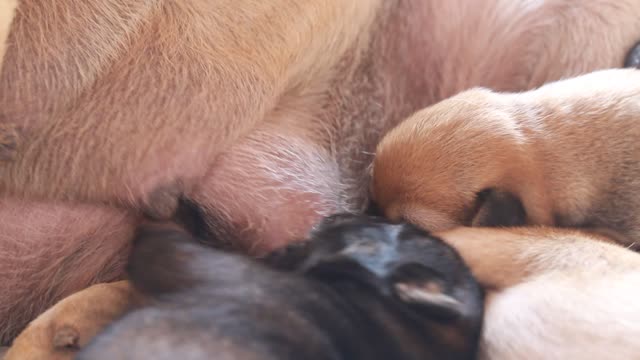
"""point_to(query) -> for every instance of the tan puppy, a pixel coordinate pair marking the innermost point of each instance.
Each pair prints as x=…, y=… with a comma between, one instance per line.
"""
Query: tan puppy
x=553, y=294
x=565, y=154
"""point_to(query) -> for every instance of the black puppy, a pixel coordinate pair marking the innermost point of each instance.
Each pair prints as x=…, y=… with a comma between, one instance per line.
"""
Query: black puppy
x=360, y=288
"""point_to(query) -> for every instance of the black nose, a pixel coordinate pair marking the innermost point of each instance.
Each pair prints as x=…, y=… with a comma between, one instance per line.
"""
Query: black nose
x=373, y=209
x=633, y=57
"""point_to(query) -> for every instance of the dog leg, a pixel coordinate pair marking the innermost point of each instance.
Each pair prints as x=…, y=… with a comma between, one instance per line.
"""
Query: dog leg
x=70, y=324
x=553, y=294
x=504, y=258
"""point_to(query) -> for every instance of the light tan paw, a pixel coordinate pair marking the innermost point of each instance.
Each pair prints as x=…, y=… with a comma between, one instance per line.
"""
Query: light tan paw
x=69, y=325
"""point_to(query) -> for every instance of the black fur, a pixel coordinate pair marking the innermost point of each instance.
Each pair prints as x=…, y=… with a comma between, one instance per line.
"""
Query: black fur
x=333, y=297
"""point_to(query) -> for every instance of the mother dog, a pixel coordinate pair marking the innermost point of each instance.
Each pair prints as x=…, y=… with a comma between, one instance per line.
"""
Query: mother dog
x=253, y=118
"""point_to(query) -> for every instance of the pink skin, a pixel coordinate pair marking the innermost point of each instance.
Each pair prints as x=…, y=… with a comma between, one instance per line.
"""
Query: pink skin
x=49, y=251
x=307, y=160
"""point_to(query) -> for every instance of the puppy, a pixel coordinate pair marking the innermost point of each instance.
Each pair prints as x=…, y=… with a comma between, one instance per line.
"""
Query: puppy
x=553, y=294
x=360, y=289
x=566, y=154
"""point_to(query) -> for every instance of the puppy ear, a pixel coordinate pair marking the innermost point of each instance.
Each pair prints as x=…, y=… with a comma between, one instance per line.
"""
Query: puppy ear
x=498, y=208
x=425, y=291
x=161, y=258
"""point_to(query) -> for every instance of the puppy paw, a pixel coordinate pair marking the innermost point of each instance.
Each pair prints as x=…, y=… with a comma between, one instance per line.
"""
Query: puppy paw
x=69, y=325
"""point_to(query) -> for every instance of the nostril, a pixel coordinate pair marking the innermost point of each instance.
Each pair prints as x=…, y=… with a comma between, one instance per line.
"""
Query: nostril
x=374, y=209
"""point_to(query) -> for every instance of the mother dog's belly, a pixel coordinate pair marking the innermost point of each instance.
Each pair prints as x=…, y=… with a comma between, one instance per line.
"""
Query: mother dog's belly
x=48, y=251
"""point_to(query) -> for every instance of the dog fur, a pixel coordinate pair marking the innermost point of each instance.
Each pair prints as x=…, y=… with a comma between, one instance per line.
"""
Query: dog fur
x=262, y=115
x=567, y=153
x=360, y=288
x=7, y=11
x=256, y=66
x=552, y=293
x=62, y=330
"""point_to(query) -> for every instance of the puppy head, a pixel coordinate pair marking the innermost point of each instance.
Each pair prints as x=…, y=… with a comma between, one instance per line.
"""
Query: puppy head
x=167, y=264
x=203, y=304
x=397, y=261
x=164, y=260
x=459, y=162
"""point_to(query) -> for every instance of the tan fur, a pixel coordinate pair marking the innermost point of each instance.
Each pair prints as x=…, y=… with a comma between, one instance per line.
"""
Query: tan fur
x=7, y=11
x=63, y=329
x=567, y=150
x=553, y=294
x=101, y=80
x=263, y=114
x=79, y=141
x=50, y=251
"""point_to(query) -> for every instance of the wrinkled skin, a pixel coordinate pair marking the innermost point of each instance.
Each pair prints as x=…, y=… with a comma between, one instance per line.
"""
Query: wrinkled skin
x=266, y=183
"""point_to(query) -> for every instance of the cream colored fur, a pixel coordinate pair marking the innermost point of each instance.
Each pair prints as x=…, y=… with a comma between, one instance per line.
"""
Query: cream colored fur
x=553, y=294
x=7, y=11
